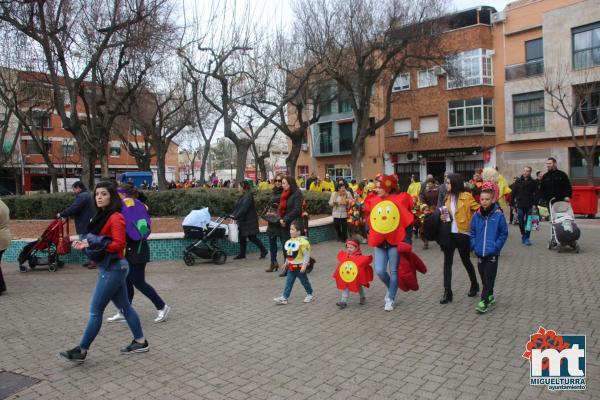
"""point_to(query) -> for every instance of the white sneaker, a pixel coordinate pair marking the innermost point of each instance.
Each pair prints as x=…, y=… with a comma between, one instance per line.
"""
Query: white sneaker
x=118, y=317
x=309, y=298
x=280, y=300
x=389, y=305
x=161, y=315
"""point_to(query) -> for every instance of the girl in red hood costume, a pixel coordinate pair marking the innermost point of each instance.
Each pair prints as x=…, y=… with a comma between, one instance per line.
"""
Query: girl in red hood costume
x=389, y=217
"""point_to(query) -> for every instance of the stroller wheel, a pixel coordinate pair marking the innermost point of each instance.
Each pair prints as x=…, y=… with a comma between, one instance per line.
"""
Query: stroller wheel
x=188, y=260
x=219, y=257
x=22, y=268
x=52, y=267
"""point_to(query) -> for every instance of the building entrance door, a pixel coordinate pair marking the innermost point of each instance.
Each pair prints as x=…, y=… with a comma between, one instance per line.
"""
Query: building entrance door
x=437, y=169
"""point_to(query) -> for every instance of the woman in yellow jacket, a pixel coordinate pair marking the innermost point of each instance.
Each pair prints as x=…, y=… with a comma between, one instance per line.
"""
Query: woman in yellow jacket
x=460, y=206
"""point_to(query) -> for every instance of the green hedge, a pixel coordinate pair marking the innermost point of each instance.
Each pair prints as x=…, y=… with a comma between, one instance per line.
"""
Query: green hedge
x=164, y=203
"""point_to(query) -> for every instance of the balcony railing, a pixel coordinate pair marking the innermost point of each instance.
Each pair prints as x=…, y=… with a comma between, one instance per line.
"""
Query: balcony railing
x=518, y=71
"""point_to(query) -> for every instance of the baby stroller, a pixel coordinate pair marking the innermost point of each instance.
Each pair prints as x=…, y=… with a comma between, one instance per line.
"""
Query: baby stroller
x=53, y=243
x=564, y=231
x=198, y=225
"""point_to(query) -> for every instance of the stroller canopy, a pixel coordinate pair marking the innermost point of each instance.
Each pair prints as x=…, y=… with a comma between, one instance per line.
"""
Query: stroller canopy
x=198, y=218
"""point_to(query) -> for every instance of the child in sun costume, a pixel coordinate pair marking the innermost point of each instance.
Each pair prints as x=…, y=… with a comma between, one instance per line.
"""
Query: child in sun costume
x=390, y=217
x=353, y=272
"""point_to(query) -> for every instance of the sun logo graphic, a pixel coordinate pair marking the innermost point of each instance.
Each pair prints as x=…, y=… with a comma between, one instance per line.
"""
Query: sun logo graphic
x=557, y=361
x=385, y=218
x=348, y=271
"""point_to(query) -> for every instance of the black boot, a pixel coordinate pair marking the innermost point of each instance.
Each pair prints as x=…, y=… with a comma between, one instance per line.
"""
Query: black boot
x=474, y=289
x=447, y=297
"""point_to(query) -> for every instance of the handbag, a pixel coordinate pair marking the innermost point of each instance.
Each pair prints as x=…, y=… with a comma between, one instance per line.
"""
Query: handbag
x=271, y=215
x=64, y=242
x=233, y=232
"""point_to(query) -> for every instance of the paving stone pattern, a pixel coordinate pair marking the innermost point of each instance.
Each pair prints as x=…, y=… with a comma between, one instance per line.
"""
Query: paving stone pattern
x=226, y=339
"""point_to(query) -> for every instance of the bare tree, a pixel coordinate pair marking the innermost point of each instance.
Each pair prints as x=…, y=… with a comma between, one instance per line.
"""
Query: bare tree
x=577, y=101
x=72, y=38
x=364, y=44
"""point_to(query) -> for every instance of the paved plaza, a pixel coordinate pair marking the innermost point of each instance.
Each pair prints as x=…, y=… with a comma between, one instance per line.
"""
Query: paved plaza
x=226, y=339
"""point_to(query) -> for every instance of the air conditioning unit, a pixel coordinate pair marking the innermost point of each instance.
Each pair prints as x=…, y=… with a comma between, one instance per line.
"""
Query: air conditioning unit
x=500, y=16
x=413, y=135
x=439, y=71
x=304, y=147
x=411, y=156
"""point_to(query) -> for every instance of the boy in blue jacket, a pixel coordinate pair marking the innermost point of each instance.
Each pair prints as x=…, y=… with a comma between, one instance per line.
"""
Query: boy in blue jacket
x=488, y=235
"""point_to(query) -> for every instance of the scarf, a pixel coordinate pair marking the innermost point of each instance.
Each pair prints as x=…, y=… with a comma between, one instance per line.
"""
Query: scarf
x=99, y=220
x=283, y=202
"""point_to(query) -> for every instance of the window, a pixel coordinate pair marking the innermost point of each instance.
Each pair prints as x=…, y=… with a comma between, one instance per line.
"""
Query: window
x=402, y=82
x=470, y=113
x=402, y=126
x=427, y=78
x=586, y=46
x=337, y=172
x=31, y=148
x=40, y=120
x=579, y=164
x=588, y=104
x=302, y=170
x=115, y=149
x=534, y=50
x=467, y=168
x=346, y=136
x=429, y=124
x=470, y=68
x=528, y=110
x=325, y=144
x=344, y=102
x=68, y=148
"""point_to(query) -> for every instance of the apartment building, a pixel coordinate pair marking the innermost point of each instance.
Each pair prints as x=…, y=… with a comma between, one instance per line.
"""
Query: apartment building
x=539, y=43
x=444, y=117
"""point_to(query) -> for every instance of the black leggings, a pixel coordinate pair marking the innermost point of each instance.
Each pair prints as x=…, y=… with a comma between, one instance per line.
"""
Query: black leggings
x=2, y=283
x=461, y=242
x=341, y=228
x=137, y=278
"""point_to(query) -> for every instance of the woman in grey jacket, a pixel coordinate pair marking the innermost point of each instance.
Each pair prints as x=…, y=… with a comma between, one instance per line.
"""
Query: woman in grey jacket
x=339, y=210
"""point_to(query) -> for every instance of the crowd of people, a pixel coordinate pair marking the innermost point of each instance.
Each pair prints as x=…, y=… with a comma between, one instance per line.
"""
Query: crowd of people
x=113, y=225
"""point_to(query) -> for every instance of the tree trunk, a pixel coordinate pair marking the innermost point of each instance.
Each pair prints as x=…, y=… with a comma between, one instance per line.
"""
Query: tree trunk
x=358, y=154
x=292, y=158
x=161, y=156
x=53, y=178
x=205, y=155
x=104, y=172
x=18, y=181
x=262, y=166
x=590, y=168
x=88, y=166
x=242, y=156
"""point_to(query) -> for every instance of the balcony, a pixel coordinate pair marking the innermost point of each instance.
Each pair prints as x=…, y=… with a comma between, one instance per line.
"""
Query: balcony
x=472, y=131
x=526, y=70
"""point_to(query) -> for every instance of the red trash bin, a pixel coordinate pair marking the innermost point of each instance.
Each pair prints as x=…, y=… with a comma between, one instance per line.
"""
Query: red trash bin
x=585, y=200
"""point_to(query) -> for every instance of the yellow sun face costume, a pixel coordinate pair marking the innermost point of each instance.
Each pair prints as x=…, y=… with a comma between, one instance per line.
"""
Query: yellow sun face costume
x=385, y=217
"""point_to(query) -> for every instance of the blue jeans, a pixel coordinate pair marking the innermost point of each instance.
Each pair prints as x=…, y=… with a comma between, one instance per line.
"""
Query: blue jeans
x=291, y=278
x=110, y=285
x=273, y=247
x=382, y=258
x=523, y=213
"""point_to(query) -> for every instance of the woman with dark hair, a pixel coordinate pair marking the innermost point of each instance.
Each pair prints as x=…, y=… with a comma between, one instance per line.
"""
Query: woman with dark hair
x=105, y=245
x=273, y=227
x=459, y=207
x=137, y=230
x=290, y=209
x=247, y=218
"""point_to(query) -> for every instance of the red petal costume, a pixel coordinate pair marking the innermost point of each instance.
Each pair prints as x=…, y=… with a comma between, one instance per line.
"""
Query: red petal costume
x=353, y=271
x=408, y=266
x=388, y=218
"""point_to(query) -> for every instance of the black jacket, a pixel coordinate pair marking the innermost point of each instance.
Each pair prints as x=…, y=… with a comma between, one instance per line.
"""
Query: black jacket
x=82, y=210
x=246, y=216
x=293, y=208
x=274, y=228
x=555, y=184
x=525, y=192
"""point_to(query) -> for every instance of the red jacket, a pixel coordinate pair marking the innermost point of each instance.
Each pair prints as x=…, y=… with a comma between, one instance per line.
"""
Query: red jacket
x=115, y=229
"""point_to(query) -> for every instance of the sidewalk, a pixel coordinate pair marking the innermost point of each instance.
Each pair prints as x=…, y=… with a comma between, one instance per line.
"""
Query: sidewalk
x=226, y=339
